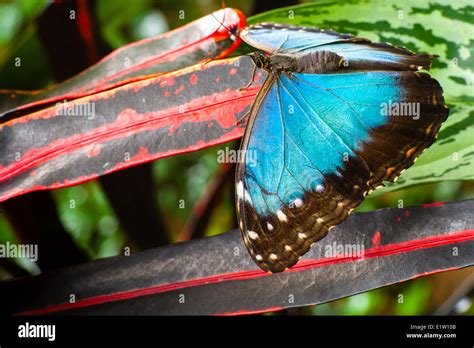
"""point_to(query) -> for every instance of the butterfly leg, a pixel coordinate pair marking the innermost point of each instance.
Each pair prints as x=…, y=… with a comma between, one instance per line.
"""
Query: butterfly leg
x=251, y=79
x=241, y=119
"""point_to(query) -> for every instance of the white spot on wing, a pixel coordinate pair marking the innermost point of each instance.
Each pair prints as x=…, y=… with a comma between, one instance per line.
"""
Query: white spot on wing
x=281, y=216
x=242, y=193
x=297, y=203
x=269, y=226
x=240, y=190
x=252, y=234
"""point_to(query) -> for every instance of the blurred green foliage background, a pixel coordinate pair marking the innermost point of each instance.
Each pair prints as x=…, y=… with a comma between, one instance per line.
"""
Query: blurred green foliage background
x=92, y=222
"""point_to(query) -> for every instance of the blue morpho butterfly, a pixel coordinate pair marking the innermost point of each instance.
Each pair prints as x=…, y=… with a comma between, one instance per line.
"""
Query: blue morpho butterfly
x=336, y=116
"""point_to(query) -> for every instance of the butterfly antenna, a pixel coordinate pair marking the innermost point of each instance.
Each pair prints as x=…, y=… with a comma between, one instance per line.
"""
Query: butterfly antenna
x=232, y=35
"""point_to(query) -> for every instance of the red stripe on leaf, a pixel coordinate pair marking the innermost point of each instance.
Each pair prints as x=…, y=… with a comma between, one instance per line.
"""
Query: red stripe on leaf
x=85, y=29
x=381, y=251
x=250, y=312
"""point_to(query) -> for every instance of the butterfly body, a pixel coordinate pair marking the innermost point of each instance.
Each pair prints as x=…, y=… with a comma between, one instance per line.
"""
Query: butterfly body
x=319, y=136
x=320, y=62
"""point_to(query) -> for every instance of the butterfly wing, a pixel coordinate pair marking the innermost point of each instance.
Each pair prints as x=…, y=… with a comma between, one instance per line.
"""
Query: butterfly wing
x=316, y=144
x=359, y=53
x=275, y=38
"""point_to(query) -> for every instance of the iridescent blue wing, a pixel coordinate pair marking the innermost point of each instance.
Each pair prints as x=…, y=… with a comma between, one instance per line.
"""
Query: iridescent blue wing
x=318, y=143
x=358, y=53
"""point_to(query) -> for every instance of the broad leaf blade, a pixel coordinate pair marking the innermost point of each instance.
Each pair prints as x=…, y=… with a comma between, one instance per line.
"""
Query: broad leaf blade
x=199, y=41
x=183, y=111
x=217, y=276
x=433, y=27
